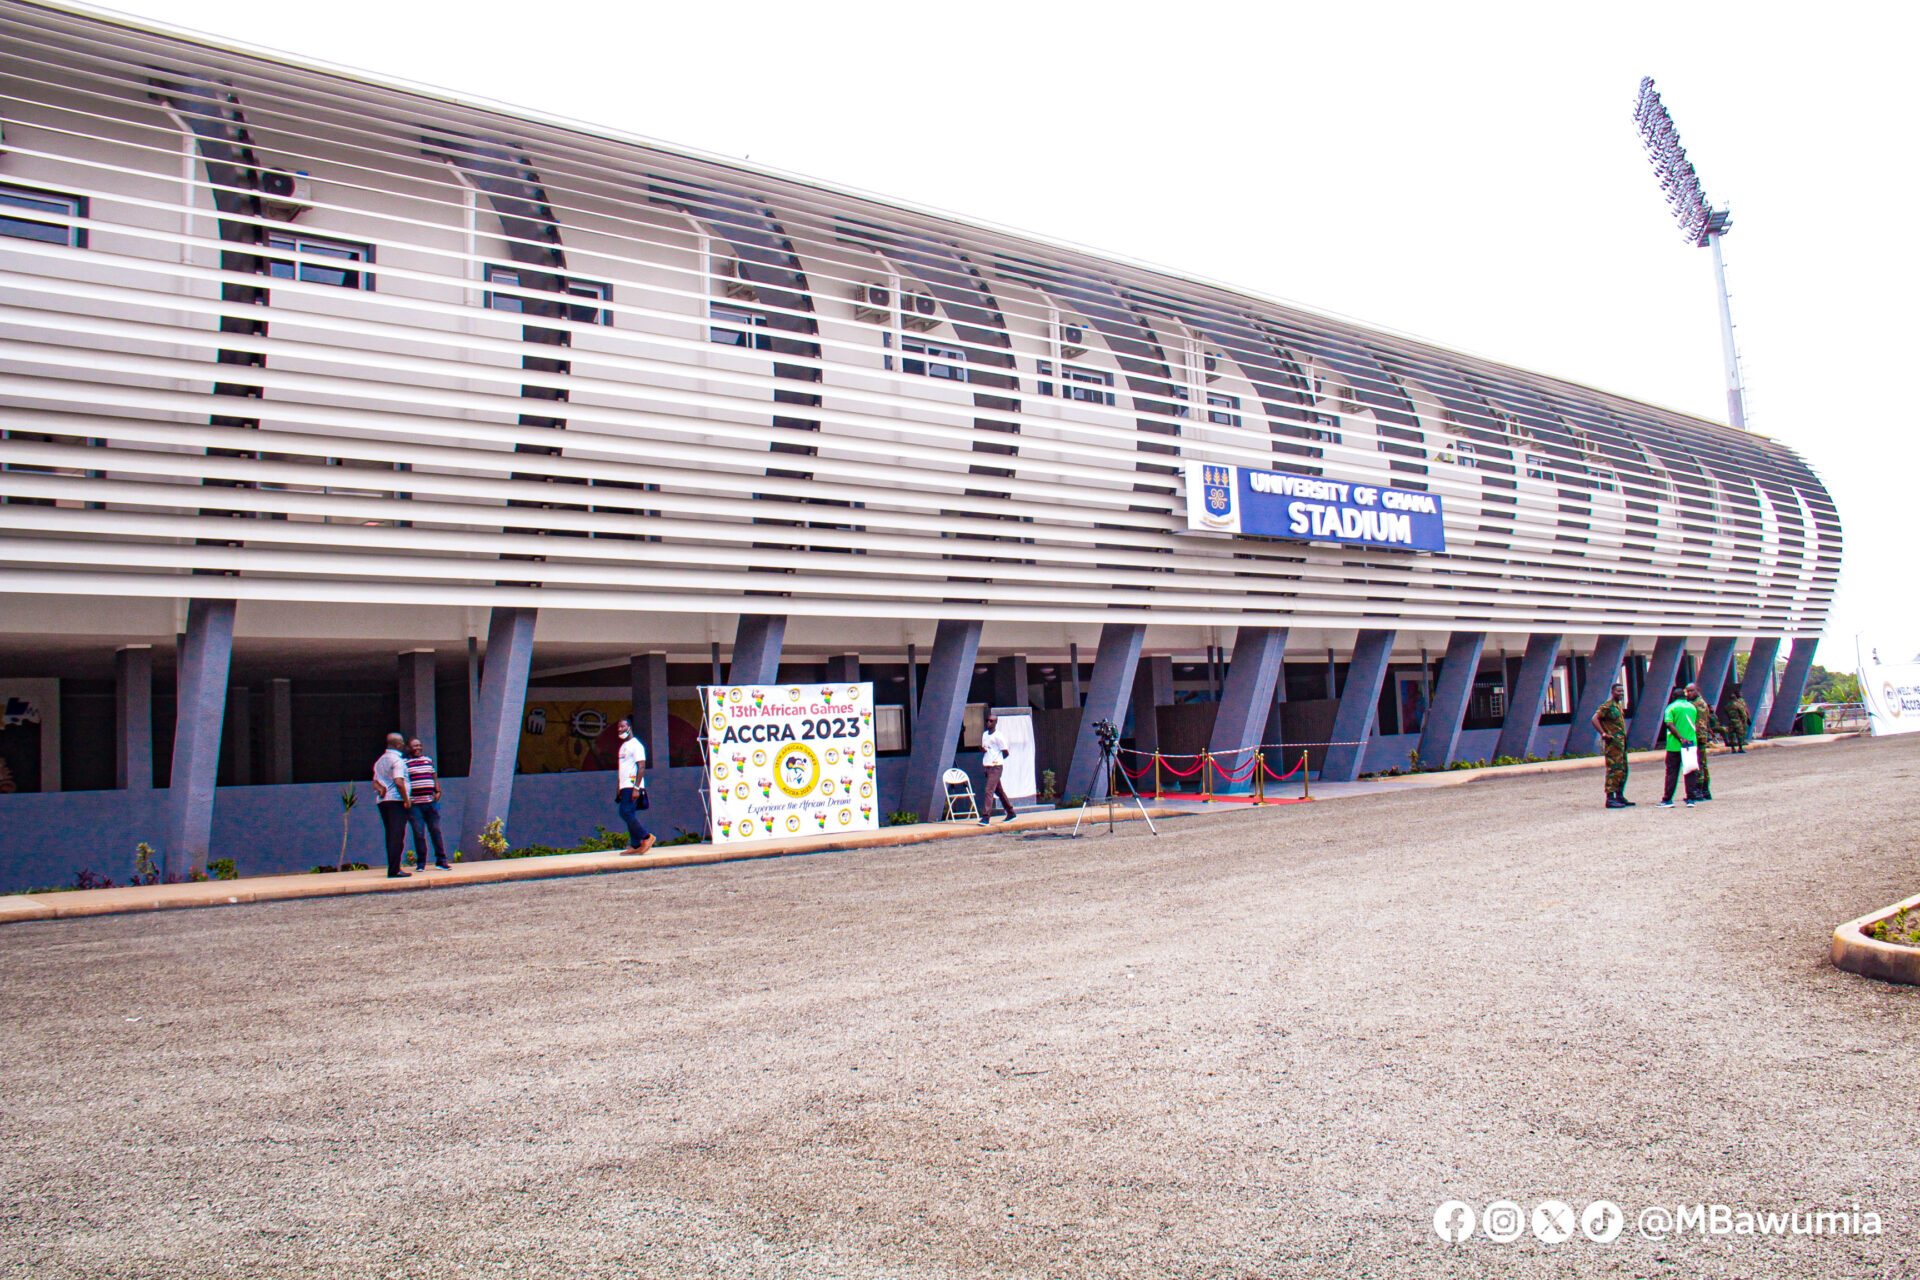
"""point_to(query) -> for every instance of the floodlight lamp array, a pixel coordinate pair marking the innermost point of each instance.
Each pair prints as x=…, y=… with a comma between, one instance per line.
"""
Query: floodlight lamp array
x=1699, y=221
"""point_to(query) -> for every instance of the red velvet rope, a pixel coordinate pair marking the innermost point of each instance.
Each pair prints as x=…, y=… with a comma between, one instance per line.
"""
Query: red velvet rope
x=1282, y=777
x=1200, y=763
x=1241, y=774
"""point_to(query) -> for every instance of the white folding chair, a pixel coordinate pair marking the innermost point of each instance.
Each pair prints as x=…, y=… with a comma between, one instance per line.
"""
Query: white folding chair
x=960, y=802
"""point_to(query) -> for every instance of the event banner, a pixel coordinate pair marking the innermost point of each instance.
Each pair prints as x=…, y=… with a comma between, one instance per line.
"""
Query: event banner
x=1284, y=504
x=1890, y=686
x=790, y=760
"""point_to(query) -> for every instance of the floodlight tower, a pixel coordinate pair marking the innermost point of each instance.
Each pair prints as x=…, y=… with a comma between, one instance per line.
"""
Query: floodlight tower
x=1700, y=222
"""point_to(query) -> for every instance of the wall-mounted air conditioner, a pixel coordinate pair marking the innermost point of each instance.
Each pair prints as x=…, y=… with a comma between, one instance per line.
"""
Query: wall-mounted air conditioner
x=1212, y=361
x=1073, y=339
x=873, y=303
x=285, y=194
x=919, y=311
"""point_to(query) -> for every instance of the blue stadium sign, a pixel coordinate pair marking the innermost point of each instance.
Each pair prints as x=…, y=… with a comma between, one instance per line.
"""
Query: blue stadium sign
x=1285, y=504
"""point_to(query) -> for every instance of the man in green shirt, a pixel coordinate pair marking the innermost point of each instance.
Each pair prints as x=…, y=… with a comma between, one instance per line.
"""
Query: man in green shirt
x=1680, y=732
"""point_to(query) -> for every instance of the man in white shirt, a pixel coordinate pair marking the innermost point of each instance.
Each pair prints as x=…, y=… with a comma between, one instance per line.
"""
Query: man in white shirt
x=631, y=797
x=993, y=759
x=393, y=796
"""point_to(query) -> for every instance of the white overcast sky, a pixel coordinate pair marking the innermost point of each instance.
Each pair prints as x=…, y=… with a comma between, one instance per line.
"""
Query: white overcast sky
x=1467, y=173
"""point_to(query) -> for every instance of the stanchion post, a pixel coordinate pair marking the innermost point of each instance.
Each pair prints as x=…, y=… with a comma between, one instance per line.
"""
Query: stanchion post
x=1259, y=777
x=1158, y=789
x=1306, y=777
x=1206, y=776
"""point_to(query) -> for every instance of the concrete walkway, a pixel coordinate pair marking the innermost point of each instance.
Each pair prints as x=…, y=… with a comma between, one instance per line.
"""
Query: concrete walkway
x=218, y=893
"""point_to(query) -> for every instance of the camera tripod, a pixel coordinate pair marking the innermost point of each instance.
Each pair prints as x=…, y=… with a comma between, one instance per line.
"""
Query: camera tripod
x=1109, y=743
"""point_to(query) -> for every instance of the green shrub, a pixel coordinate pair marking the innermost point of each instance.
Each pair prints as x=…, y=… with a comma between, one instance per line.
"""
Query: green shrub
x=1070, y=802
x=902, y=818
x=685, y=837
x=223, y=869
x=1049, y=785
x=323, y=869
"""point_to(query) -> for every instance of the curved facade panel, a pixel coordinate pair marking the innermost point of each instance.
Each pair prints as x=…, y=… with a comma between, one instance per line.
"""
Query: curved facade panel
x=982, y=418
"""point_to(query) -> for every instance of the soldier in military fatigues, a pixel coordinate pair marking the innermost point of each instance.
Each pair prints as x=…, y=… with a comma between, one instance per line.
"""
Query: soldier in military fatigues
x=1610, y=722
x=1739, y=720
x=1704, y=727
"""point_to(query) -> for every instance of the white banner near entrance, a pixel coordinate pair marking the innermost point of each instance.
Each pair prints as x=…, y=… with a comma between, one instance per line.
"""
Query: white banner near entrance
x=1890, y=686
x=790, y=760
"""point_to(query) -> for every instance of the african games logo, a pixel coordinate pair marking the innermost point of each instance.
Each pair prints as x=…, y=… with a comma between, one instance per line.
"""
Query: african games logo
x=1216, y=488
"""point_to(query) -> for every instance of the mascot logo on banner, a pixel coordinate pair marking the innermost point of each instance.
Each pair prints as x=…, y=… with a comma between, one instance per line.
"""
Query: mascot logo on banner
x=796, y=769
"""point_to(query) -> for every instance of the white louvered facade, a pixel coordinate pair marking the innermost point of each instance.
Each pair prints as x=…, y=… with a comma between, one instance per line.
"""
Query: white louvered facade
x=604, y=377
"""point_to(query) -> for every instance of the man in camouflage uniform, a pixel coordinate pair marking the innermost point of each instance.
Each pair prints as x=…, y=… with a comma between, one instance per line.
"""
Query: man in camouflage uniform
x=1610, y=722
x=1704, y=727
x=1739, y=720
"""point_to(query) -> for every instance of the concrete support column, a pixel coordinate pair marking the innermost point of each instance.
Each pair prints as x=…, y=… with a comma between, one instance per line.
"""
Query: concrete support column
x=419, y=714
x=496, y=723
x=1275, y=728
x=1757, y=685
x=1715, y=663
x=1359, y=701
x=756, y=648
x=1602, y=670
x=279, y=731
x=844, y=669
x=1113, y=668
x=647, y=673
x=133, y=718
x=1152, y=687
x=1793, y=683
x=206, y=654
x=1010, y=682
x=943, y=706
x=1441, y=732
x=1662, y=670
x=1529, y=696
x=1247, y=699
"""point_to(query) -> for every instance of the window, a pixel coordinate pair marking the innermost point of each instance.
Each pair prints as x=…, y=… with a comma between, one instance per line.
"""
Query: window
x=1083, y=384
x=547, y=282
x=943, y=362
x=15, y=202
x=1536, y=467
x=747, y=319
x=889, y=729
x=342, y=252
x=1223, y=409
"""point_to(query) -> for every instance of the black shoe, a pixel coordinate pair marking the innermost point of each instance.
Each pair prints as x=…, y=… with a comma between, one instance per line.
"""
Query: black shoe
x=986, y=822
x=1615, y=802
x=399, y=875
x=1623, y=800
x=1008, y=818
x=444, y=866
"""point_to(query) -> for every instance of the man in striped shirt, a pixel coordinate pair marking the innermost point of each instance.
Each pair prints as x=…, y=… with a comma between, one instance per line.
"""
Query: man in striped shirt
x=423, y=813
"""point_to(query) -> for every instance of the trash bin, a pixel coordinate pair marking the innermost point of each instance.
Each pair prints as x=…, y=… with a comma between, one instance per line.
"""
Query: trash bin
x=1814, y=721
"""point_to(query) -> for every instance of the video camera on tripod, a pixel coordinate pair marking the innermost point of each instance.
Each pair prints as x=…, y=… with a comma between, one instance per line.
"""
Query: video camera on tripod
x=1107, y=734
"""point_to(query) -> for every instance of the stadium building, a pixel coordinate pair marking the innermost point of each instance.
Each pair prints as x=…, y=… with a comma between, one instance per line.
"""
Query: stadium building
x=334, y=405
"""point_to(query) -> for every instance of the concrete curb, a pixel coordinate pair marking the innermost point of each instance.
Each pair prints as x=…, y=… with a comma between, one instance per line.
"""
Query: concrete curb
x=1645, y=757
x=1855, y=952
x=285, y=888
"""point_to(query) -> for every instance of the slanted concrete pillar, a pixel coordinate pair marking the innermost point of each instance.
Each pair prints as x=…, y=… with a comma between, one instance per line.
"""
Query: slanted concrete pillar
x=756, y=648
x=1715, y=663
x=206, y=654
x=1662, y=670
x=1529, y=696
x=419, y=713
x=133, y=718
x=1247, y=699
x=1113, y=667
x=1757, y=685
x=943, y=706
x=1793, y=683
x=1275, y=732
x=1152, y=687
x=1010, y=681
x=279, y=732
x=844, y=669
x=1359, y=703
x=496, y=722
x=1602, y=669
x=1441, y=732
x=648, y=675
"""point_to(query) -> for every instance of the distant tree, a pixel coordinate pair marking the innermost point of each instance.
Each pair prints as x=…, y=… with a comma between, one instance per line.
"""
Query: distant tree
x=1831, y=686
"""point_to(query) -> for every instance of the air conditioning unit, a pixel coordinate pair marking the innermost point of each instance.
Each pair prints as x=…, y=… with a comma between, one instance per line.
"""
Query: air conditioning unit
x=919, y=311
x=728, y=271
x=873, y=303
x=285, y=194
x=1073, y=339
x=1212, y=362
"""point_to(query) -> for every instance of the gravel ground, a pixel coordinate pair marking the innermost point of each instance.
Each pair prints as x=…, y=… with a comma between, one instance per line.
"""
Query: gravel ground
x=1264, y=1044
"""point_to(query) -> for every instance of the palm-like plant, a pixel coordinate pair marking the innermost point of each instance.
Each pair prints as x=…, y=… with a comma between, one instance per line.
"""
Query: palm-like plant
x=349, y=797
